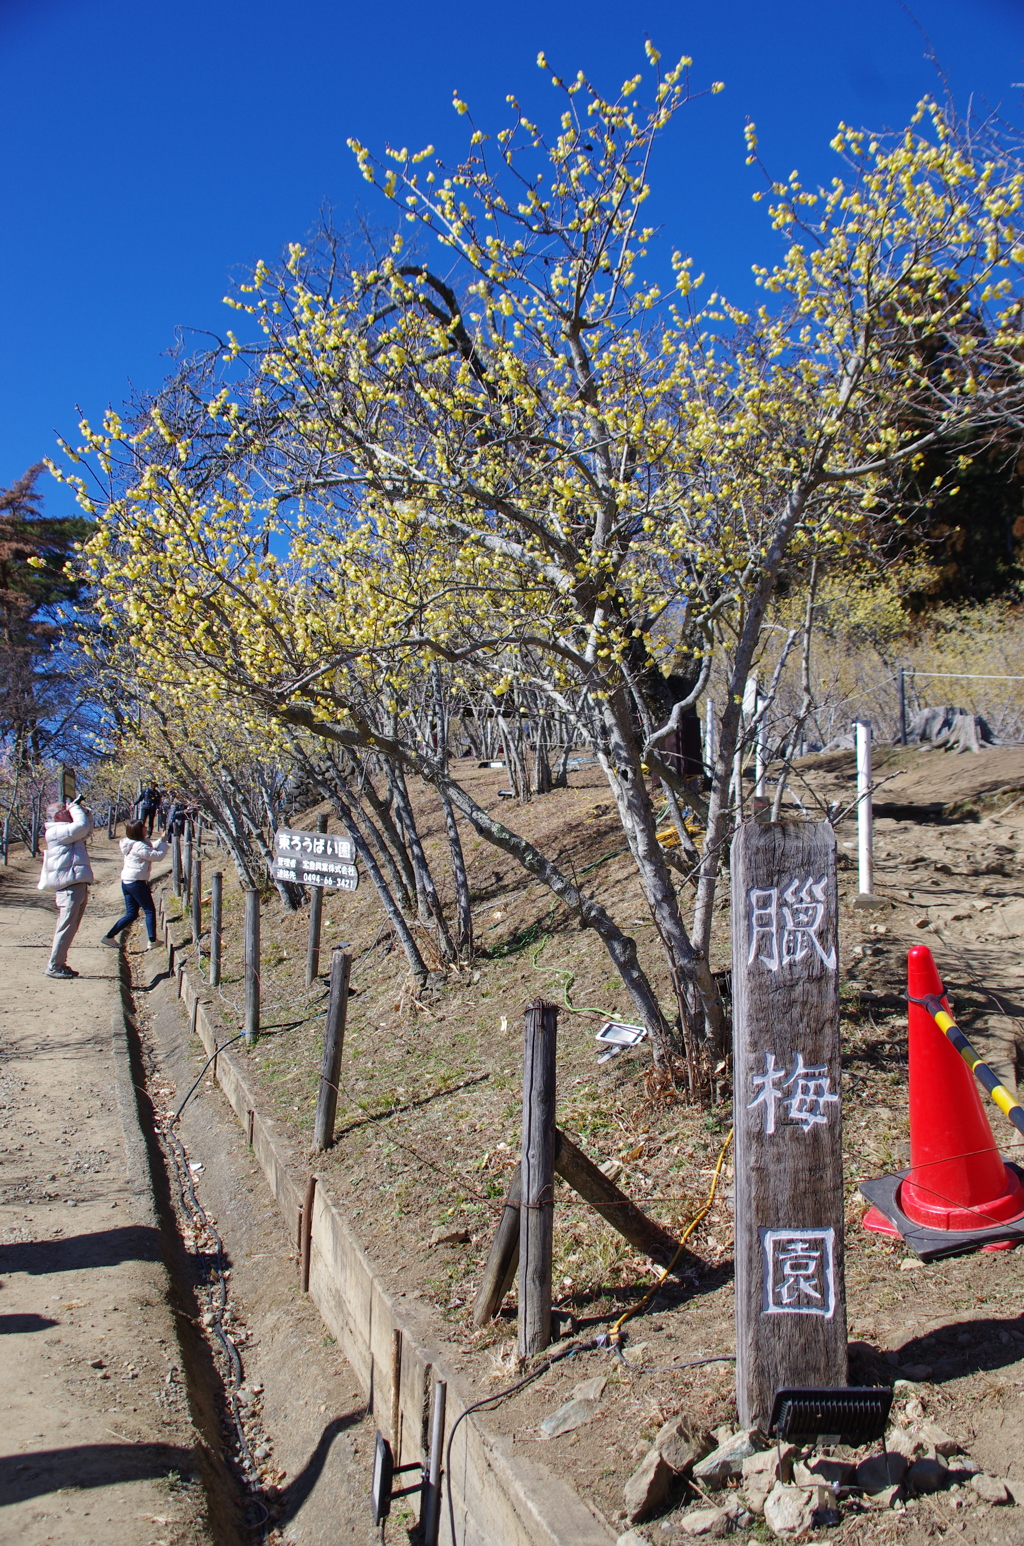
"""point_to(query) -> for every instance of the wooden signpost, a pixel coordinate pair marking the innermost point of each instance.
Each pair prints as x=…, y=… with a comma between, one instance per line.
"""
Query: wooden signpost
x=316, y=913
x=790, y=1287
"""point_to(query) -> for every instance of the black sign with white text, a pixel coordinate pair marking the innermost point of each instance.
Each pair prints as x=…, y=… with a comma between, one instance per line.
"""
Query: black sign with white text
x=315, y=859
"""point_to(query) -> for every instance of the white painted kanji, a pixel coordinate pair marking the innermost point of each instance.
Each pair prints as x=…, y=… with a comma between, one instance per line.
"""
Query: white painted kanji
x=784, y=922
x=799, y=1272
x=810, y=1102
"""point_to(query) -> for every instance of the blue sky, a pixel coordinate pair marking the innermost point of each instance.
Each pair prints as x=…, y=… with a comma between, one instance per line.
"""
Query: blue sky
x=152, y=151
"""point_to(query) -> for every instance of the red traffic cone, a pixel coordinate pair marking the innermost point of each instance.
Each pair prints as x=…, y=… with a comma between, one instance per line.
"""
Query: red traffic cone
x=958, y=1182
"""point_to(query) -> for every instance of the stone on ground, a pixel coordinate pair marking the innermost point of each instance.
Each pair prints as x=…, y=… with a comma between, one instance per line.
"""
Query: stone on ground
x=926, y=1475
x=680, y=1450
x=991, y=1489
x=704, y=1521
x=939, y=1440
x=571, y=1414
x=649, y=1485
x=879, y=1472
x=761, y=1472
x=789, y=1510
x=727, y=1460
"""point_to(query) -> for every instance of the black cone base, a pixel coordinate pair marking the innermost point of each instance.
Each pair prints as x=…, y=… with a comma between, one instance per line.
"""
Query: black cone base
x=929, y=1244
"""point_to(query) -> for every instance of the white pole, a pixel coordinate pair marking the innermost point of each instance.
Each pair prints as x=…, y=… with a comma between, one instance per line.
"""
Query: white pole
x=709, y=736
x=864, y=817
x=760, y=759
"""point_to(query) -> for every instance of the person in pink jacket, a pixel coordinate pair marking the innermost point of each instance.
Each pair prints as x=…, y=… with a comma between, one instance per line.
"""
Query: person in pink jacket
x=138, y=861
x=66, y=872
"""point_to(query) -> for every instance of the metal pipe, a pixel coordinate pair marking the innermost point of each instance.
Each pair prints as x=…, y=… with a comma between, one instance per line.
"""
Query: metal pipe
x=760, y=759
x=216, y=917
x=432, y=1482
x=252, y=966
x=865, y=821
x=902, y=679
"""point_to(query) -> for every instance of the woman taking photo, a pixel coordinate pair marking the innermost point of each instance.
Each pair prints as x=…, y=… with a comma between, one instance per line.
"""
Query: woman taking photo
x=138, y=861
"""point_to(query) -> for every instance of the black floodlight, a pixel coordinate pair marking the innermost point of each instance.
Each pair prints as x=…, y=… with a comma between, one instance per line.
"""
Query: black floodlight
x=383, y=1473
x=855, y=1415
x=382, y=1489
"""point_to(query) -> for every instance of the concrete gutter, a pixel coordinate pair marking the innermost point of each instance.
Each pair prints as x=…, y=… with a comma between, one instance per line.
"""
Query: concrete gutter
x=499, y=1496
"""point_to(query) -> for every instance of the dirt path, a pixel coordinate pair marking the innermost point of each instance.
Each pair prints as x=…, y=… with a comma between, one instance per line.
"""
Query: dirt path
x=98, y=1446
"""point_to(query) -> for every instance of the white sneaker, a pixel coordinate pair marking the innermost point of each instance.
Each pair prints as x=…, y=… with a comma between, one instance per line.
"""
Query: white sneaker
x=150, y=946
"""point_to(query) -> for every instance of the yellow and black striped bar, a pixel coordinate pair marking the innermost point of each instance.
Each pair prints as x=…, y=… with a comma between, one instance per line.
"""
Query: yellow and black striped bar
x=981, y=1071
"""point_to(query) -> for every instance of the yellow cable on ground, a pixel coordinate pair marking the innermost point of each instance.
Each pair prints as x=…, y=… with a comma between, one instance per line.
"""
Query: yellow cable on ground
x=614, y=1335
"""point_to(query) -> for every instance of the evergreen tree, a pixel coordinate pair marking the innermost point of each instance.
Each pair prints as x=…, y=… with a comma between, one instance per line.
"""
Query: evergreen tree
x=37, y=598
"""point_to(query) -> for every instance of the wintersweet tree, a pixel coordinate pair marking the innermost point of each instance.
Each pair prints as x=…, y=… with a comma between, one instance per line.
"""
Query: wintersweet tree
x=525, y=465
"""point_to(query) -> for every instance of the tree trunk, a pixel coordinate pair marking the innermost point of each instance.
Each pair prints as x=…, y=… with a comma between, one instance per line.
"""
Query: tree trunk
x=425, y=888
x=696, y=990
x=718, y=818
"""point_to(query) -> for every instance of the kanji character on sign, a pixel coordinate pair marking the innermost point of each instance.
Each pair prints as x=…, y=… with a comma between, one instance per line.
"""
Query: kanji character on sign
x=812, y=1094
x=799, y=1271
x=782, y=941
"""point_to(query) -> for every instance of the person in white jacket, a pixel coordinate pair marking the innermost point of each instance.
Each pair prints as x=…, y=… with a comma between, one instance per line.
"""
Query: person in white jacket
x=68, y=874
x=138, y=861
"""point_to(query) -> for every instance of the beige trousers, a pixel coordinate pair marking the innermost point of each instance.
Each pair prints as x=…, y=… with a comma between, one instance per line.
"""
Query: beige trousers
x=70, y=907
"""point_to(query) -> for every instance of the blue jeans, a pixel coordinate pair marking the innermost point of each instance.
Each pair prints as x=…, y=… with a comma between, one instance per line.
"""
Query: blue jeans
x=137, y=898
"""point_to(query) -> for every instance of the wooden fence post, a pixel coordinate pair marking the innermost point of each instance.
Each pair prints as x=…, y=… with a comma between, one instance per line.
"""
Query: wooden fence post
x=503, y=1258
x=252, y=965
x=790, y=1286
x=197, y=902
x=6, y=837
x=216, y=924
x=176, y=864
x=186, y=854
x=334, y=1040
x=34, y=831
x=591, y=1183
x=111, y=821
x=316, y=913
x=538, y=1183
